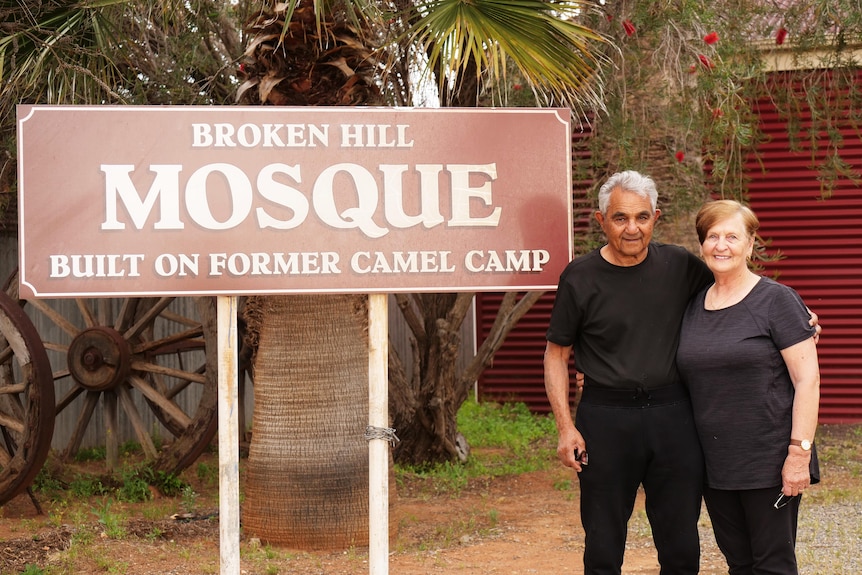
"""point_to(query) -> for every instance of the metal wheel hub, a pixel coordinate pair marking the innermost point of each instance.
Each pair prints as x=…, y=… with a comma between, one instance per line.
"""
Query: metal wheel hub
x=99, y=358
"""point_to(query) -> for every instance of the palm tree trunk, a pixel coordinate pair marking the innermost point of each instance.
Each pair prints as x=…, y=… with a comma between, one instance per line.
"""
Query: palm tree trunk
x=307, y=481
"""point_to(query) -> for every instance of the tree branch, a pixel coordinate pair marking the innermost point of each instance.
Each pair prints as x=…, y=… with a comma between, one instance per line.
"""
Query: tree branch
x=508, y=316
x=459, y=310
x=413, y=320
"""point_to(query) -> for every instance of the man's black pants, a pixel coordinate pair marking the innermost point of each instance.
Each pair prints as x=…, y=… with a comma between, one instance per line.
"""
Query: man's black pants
x=633, y=438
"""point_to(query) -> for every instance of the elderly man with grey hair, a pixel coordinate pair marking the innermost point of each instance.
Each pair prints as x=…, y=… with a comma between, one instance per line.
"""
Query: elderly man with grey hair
x=619, y=308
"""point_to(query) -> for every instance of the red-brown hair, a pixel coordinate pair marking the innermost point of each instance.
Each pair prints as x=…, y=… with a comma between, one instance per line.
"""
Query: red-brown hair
x=713, y=212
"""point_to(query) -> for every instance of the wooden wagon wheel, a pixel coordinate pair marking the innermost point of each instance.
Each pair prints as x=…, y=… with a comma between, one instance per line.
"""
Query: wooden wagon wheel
x=26, y=401
x=124, y=354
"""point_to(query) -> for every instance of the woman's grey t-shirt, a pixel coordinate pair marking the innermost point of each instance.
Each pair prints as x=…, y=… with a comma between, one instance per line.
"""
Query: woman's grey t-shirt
x=740, y=387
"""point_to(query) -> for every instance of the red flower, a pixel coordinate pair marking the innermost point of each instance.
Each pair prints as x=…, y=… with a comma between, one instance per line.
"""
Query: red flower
x=711, y=38
x=516, y=86
x=692, y=69
x=707, y=63
x=780, y=35
x=680, y=156
x=629, y=27
x=610, y=17
x=717, y=113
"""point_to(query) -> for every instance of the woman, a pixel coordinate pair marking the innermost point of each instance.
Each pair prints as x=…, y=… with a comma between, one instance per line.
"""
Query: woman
x=748, y=356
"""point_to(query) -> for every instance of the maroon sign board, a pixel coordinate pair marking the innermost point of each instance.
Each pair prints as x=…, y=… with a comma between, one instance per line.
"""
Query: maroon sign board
x=179, y=200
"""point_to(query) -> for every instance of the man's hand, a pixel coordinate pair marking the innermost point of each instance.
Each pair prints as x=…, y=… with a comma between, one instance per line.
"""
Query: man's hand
x=570, y=443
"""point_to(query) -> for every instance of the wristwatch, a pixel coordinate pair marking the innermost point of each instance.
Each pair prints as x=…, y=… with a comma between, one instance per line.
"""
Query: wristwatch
x=805, y=444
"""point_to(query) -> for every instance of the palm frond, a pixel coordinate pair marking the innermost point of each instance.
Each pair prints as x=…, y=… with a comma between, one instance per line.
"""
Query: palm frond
x=62, y=56
x=544, y=40
x=356, y=12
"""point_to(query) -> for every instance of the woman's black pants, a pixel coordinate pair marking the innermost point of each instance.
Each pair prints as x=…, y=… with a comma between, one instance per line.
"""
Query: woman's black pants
x=755, y=537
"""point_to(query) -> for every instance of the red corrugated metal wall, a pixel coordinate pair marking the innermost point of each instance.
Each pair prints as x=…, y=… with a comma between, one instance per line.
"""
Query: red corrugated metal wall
x=517, y=371
x=820, y=239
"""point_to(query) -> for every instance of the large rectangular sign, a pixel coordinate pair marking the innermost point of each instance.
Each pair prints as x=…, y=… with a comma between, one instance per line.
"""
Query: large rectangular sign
x=184, y=200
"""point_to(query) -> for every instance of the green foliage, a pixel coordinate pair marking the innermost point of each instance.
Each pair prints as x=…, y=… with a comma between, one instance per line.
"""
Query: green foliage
x=134, y=488
x=131, y=448
x=559, y=61
x=207, y=474
x=110, y=521
x=154, y=534
x=113, y=52
x=168, y=484
x=506, y=439
x=84, y=486
x=189, y=498
x=508, y=425
x=90, y=454
x=30, y=569
x=682, y=79
x=136, y=482
x=48, y=484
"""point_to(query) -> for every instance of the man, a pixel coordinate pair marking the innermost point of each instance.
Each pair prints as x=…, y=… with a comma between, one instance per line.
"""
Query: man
x=620, y=308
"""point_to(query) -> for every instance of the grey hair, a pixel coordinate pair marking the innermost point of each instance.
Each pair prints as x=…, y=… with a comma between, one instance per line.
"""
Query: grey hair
x=630, y=181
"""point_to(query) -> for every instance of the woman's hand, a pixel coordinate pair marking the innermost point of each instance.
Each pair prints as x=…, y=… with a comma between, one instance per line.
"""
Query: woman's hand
x=795, y=476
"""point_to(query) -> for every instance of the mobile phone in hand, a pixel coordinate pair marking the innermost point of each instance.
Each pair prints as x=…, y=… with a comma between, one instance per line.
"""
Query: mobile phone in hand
x=582, y=457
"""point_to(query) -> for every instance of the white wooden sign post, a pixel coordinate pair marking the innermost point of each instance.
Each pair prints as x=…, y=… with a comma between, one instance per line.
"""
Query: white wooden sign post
x=228, y=435
x=378, y=447
x=231, y=201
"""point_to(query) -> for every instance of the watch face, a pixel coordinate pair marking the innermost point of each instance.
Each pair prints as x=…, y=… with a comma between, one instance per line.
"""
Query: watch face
x=806, y=445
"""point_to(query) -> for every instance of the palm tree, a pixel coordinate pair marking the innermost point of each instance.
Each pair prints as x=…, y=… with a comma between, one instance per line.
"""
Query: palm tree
x=350, y=54
x=307, y=482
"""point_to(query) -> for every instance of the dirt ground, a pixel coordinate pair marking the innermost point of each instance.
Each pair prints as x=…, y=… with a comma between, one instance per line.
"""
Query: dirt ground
x=525, y=524
x=522, y=524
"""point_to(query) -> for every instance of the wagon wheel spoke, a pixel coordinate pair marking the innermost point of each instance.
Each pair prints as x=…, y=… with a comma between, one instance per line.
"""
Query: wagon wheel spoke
x=137, y=422
x=6, y=353
x=91, y=399
x=55, y=317
x=26, y=400
x=5, y=452
x=70, y=396
x=145, y=320
x=169, y=408
x=14, y=414
x=126, y=314
x=189, y=337
x=13, y=423
x=154, y=358
x=86, y=313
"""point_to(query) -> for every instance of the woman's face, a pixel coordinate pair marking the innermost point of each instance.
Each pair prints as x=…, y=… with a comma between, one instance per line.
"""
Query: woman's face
x=727, y=246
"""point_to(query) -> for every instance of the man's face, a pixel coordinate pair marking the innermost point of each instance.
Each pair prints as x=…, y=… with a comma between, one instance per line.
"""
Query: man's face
x=628, y=225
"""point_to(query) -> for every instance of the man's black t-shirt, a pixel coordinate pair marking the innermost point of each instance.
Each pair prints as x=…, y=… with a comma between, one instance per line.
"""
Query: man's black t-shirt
x=624, y=322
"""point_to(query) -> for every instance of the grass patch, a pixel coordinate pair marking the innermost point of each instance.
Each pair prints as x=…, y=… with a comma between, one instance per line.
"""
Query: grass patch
x=839, y=447
x=84, y=486
x=505, y=439
x=110, y=521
